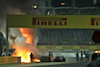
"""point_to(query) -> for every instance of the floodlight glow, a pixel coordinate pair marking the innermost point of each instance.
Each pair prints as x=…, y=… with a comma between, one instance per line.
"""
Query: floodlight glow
x=34, y=6
x=62, y=3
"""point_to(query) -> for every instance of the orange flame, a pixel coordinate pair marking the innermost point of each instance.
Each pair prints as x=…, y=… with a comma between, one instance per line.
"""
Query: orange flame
x=26, y=35
x=36, y=60
x=24, y=52
x=25, y=55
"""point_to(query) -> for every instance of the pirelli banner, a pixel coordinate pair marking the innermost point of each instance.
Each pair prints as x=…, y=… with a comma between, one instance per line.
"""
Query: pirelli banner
x=56, y=21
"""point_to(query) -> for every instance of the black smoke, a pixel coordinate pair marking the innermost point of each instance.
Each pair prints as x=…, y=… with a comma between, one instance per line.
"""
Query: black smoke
x=23, y=5
x=14, y=6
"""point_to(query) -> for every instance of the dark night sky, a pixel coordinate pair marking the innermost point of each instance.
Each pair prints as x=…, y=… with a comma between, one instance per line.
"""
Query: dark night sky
x=84, y=3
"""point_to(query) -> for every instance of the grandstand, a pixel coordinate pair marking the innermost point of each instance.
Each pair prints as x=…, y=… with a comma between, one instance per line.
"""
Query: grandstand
x=78, y=11
x=66, y=36
x=69, y=36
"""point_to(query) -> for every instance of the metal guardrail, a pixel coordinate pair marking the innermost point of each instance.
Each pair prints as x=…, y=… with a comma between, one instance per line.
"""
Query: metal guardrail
x=9, y=59
x=71, y=10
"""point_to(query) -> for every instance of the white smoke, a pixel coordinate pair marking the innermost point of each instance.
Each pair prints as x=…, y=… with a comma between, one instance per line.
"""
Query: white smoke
x=18, y=7
x=18, y=39
x=15, y=7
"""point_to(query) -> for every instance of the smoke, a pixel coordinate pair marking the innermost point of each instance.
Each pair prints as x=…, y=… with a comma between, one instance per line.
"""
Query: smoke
x=18, y=41
x=24, y=5
x=16, y=7
x=21, y=7
x=3, y=12
x=3, y=5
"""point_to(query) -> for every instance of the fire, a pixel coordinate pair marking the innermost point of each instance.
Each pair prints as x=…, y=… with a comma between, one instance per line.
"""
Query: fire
x=26, y=35
x=24, y=51
x=25, y=55
x=36, y=60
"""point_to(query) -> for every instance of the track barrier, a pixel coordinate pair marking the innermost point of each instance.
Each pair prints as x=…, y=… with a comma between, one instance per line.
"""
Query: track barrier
x=9, y=59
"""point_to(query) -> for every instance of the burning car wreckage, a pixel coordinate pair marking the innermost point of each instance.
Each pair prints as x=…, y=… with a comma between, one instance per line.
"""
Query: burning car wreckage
x=24, y=46
x=23, y=51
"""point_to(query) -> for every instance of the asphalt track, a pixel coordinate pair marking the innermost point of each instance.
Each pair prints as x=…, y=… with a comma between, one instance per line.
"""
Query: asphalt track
x=47, y=64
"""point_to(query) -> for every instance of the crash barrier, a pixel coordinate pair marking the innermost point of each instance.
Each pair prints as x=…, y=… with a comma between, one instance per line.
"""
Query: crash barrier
x=9, y=59
x=73, y=59
x=69, y=47
x=45, y=59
